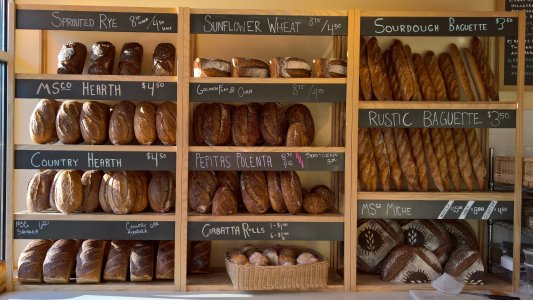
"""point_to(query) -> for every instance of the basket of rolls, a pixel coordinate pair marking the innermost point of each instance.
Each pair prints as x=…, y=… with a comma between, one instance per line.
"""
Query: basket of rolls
x=276, y=268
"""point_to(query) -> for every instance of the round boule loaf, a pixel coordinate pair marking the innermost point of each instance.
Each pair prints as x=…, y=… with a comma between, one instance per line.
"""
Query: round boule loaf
x=327, y=194
x=68, y=122
x=292, y=191
x=165, y=121
x=254, y=191
x=121, y=192
x=202, y=188
x=67, y=191
x=299, y=113
x=245, y=129
x=314, y=203
x=272, y=124
x=144, y=123
x=224, y=202
x=121, y=123
x=216, y=124
x=38, y=195
x=410, y=264
x=94, y=121
x=296, y=136
x=43, y=122
x=91, y=181
x=197, y=124
x=375, y=239
x=162, y=191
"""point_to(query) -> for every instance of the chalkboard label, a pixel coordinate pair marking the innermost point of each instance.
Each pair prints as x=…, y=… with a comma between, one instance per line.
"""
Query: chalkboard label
x=96, y=89
x=439, y=26
x=266, y=161
x=437, y=118
x=269, y=25
x=95, y=160
x=253, y=92
x=266, y=231
x=510, y=68
x=97, y=21
x=102, y=230
x=426, y=209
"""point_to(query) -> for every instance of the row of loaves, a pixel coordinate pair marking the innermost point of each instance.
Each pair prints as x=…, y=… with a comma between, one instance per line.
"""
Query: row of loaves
x=417, y=251
x=271, y=256
x=278, y=67
x=222, y=193
x=90, y=261
x=217, y=124
x=451, y=155
x=93, y=122
x=72, y=56
x=119, y=192
x=396, y=74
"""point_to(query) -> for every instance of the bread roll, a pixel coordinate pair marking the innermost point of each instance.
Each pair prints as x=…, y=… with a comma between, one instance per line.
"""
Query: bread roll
x=410, y=264
x=144, y=124
x=329, y=68
x=476, y=158
x=299, y=113
x=440, y=153
x=365, y=82
x=164, y=60
x=200, y=256
x=121, y=130
x=381, y=157
x=405, y=155
x=427, y=88
x=460, y=70
x=210, y=67
x=289, y=67
x=254, y=190
x=432, y=160
x=202, y=188
x=224, y=202
x=216, y=127
x=90, y=182
x=368, y=171
x=31, y=259
x=38, y=195
x=272, y=255
x=164, y=264
x=89, y=261
x=198, y=123
x=451, y=157
x=449, y=76
x=476, y=75
x=258, y=259
x=102, y=58
x=378, y=76
x=94, y=120
x=435, y=75
x=141, y=180
x=484, y=69
x=105, y=184
x=296, y=136
x=375, y=238
x=121, y=192
x=142, y=261
x=67, y=191
x=43, y=122
x=417, y=95
x=466, y=266
x=116, y=266
x=249, y=67
x=291, y=189
x=60, y=261
x=306, y=258
x=272, y=124
x=68, y=122
x=274, y=192
x=430, y=234
x=236, y=257
x=162, y=191
x=327, y=195
x=165, y=122
x=402, y=70
x=71, y=58
x=245, y=128
x=130, y=61
x=463, y=158
x=314, y=203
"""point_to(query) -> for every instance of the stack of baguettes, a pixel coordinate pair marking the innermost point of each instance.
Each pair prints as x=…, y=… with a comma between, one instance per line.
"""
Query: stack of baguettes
x=92, y=261
x=450, y=155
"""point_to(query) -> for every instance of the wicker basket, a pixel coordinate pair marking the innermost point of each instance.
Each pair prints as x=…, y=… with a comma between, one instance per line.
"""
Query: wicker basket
x=504, y=170
x=313, y=276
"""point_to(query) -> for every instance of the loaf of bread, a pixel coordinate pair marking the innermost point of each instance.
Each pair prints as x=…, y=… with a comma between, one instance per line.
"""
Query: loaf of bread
x=314, y=203
x=417, y=95
x=121, y=192
x=451, y=157
x=67, y=191
x=164, y=60
x=210, y=67
x=484, y=68
x=130, y=61
x=116, y=266
x=121, y=130
x=449, y=76
x=245, y=129
x=378, y=76
x=43, y=122
x=410, y=264
x=440, y=154
x=299, y=113
x=461, y=234
x=430, y=234
x=375, y=238
x=466, y=266
x=328, y=196
x=202, y=188
x=164, y=264
x=94, y=120
x=71, y=58
x=102, y=193
x=200, y=256
x=296, y=136
x=463, y=158
x=31, y=259
x=289, y=67
x=165, y=121
x=254, y=191
x=388, y=66
x=89, y=261
x=381, y=157
x=394, y=163
x=368, y=170
x=406, y=158
x=198, y=123
x=162, y=191
x=402, y=70
x=38, y=194
x=460, y=70
x=142, y=261
x=249, y=67
x=417, y=148
x=102, y=58
x=216, y=124
x=141, y=179
x=435, y=75
x=482, y=94
x=432, y=160
x=90, y=182
x=68, y=122
x=476, y=158
x=329, y=68
x=274, y=192
x=272, y=124
x=231, y=180
x=224, y=202
x=426, y=85
x=291, y=188
x=144, y=124
x=60, y=261
x=365, y=82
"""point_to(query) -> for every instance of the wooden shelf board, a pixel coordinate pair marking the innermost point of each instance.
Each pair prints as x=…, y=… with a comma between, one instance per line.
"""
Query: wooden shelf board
x=438, y=14
x=367, y=282
x=283, y=217
x=264, y=149
x=436, y=105
x=50, y=215
x=137, y=78
x=437, y=196
x=104, y=286
x=218, y=280
x=268, y=80
x=83, y=147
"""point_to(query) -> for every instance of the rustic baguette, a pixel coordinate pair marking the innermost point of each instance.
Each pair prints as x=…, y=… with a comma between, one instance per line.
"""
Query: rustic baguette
x=449, y=76
x=484, y=69
x=440, y=153
x=432, y=159
x=465, y=166
x=417, y=149
x=406, y=158
x=476, y=75
x=460, y=70
x=434, y=73
x=378, y=76
x=402, y=70
x=426, y=86
x=367, y=164
x=451, y=157
x=382, y=160
x=394, y=163
x=476, y=158
x=365, y=82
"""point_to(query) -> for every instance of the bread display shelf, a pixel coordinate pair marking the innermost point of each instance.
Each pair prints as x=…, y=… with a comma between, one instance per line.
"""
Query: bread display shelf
x=437, y=196
x=96, y=87
x=270, y=217
x=99, y=216
x=222, y=89
x=218, y=280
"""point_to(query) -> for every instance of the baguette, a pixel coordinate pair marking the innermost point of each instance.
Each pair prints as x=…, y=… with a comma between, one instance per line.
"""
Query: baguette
x=382, y=160
x=365, y=83
x=449, y=76
x=440, y=153
x=476, y=75
x=417, y=95
x=367, y=164
x=476, y=158
x=406, y=158
x=394, y=163
x=451, y=158
x=465, y=166
x=432, y=159
x=420, y=159
x=392, y=76
x=402, y=70
x=484, y=69
x=434, y=73
x=378, y=76
x=460, y=70
x=426, y=86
